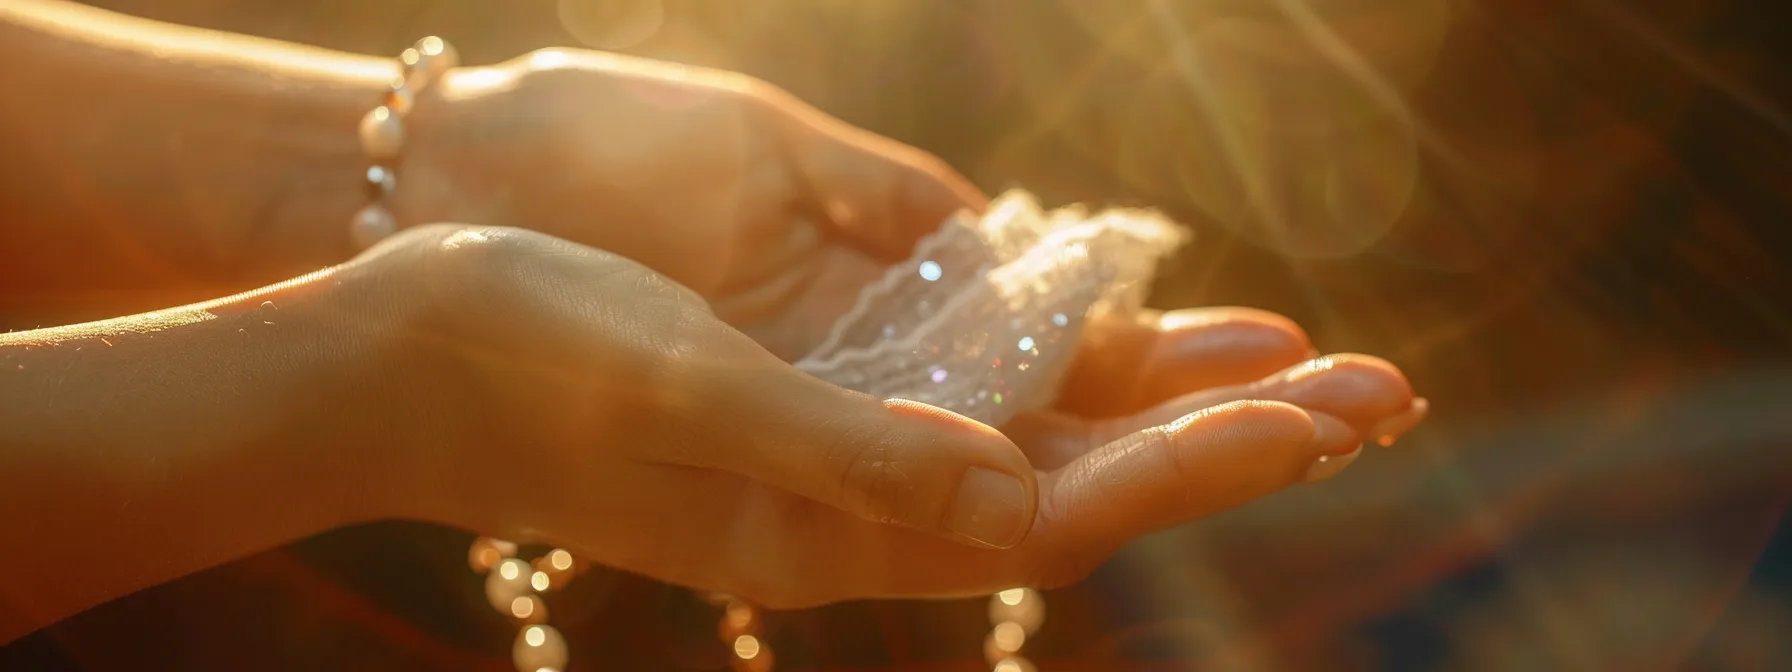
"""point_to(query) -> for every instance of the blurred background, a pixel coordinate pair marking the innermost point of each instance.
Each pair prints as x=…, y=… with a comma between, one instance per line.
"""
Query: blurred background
x=1567, y=220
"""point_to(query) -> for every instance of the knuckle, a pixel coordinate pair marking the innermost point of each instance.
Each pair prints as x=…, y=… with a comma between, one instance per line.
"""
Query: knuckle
x=549, y=59
x=1054, y=563
x=1161, y=441
x=929, y=163
x=1063, y=503
x=458, y=264
x=873, y=481
x=758, y=91
x=474, y=253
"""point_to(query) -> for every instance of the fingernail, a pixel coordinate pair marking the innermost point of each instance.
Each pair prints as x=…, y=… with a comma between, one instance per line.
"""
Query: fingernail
x=1390, y=430
x=991, y=509
x=1337, y=445
x=1328, y=466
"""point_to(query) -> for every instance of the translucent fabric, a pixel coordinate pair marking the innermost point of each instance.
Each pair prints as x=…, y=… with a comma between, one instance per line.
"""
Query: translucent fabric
x=983, y=318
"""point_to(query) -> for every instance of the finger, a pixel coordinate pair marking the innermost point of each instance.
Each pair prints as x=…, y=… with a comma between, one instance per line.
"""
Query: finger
x=1390, y=430
x=883, y=194
x=1359, y=389
x=1208, y=462
x=1203, y=463
x=889, y=462
x=1128, y=364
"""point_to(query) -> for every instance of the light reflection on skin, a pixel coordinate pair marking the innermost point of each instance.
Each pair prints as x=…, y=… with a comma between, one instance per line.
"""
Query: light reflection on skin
x=80, y=23
x=104, y=331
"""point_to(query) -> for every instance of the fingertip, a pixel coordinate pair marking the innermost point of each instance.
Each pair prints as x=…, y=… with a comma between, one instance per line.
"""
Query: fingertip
x=1361, y=389
x=1332, y=435
x=1390, y=430
x=991, y=490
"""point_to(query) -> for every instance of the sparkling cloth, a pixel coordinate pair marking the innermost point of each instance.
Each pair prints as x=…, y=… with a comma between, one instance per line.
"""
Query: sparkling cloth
x=982, y=319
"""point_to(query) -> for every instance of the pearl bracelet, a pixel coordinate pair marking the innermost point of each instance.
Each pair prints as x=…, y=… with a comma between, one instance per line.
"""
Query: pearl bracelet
x=382, y=135
x=514, y=587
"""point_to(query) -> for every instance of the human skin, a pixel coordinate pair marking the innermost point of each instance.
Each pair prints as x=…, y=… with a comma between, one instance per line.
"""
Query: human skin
x=628, y=403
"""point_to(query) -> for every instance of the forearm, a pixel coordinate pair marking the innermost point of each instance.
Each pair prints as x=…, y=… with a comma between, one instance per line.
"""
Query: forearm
x=138, y=450
x=151, y=154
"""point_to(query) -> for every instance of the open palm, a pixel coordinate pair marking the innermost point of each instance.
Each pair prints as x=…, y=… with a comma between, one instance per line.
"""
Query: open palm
x=776, y=215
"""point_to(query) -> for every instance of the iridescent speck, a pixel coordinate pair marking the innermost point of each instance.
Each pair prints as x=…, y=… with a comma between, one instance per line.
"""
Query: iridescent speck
x=998, y=397
x=939, y=375
x=1026, y=343
x=1059, y=319
x=931, y=271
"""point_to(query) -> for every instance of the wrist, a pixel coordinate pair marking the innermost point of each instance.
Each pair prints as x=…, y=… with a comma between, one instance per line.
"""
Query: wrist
x=449, y=172
x=332, y=389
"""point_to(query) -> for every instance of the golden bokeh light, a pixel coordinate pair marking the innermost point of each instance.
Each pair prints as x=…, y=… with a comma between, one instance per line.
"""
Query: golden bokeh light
x=746, y=647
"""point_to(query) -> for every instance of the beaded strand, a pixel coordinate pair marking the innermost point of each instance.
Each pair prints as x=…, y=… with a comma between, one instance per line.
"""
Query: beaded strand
x=382, y=135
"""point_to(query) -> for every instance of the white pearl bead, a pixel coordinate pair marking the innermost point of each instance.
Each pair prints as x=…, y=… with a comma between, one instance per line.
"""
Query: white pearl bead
x=529, y=610
x=538, y=647
x=428, y=61
x=381, y=181
x=372, y=224
x=1004, y=642
x=1022, y=606
x=507, y=581
x=738, y=619
x=486, y=553
x=554, y=570
x=382, y=133
x=752, y=655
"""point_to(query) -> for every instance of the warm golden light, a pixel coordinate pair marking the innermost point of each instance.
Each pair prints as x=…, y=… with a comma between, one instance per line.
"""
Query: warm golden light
x=1010, y=636
x=539, y=581
x=738, y=614
x=746, y=647
x=485, y=558
x=535, y=635
x=612, y=24
x=510, y=570
x=1023, y=607
x=523, y=607
x=560, y=559
x=1012, y=596
x=486, y=553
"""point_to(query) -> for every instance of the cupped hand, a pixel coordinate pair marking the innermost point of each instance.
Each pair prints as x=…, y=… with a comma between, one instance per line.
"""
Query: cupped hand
x=759, y=203
x=565, y=395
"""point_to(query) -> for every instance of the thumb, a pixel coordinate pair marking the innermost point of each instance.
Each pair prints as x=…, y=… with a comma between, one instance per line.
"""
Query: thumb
x=892, y=461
